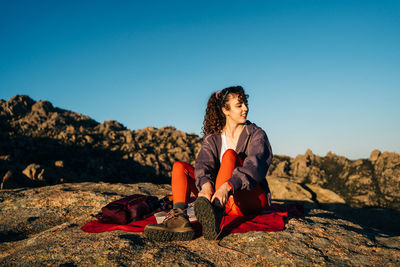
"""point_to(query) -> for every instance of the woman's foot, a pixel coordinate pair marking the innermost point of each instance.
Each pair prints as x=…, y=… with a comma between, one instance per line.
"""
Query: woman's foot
x=209, y=217
x=176, y=226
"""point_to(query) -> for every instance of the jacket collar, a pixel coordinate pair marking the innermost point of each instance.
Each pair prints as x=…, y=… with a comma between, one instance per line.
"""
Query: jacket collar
x=242, y=141
x=244, y=137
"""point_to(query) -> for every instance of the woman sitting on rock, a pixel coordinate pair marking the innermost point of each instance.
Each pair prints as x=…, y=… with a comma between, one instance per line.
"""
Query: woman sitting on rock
x=229, y=173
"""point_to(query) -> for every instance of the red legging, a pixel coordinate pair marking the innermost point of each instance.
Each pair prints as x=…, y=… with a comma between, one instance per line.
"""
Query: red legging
x=244, y=202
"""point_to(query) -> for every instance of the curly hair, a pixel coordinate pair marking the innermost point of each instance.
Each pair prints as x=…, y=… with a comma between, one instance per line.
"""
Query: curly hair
x=214, y=119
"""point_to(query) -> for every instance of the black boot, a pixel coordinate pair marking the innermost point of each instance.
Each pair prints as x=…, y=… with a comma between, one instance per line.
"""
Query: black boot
x=209, y=217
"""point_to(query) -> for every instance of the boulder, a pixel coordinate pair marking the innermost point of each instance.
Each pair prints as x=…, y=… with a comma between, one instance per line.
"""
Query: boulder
x=282, y=169
x=34, y=172
x=18, y=106
x=59, y=163
x=324, y=196
x=43, y=108
x=6, y=179
x=374, y=155
x=41, y=175
x=284, y=189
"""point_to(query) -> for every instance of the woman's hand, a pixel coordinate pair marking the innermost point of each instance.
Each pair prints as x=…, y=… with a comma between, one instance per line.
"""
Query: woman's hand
x=222, y=194
x=207, y=191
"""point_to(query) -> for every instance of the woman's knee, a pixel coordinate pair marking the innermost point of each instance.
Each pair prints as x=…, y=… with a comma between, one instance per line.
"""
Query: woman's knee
x=178, y=166
x=230, y=155
x=178, y=173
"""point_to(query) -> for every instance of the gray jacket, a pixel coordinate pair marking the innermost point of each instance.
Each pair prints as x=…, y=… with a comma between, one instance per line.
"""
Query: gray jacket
x=253, y=146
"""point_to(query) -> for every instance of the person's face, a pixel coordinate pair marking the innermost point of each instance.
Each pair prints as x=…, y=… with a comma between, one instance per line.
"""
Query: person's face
x=238, y=110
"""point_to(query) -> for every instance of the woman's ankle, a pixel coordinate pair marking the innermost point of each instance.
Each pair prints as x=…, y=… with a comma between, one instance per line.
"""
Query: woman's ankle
x=180, y=205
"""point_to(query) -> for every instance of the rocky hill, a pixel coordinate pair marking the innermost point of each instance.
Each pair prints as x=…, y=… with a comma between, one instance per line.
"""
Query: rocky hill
x=42, y=145
x=57, y=167
x=373, y=182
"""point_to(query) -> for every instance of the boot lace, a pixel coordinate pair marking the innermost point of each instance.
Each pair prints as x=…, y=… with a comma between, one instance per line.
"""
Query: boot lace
x=172, y=214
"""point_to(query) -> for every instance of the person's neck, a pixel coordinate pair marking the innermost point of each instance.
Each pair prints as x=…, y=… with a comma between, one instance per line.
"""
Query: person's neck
x=233, y=130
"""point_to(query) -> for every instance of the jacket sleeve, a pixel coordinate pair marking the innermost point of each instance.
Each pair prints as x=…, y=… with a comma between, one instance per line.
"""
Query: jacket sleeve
x=255, y=165
x=206, y=165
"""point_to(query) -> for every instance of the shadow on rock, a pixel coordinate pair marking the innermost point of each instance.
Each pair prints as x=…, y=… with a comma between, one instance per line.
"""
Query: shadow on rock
x=45, y=161
x=377, y=220
x=135, y=240
x=69, y=264
x=374, y=221
x=10, y=236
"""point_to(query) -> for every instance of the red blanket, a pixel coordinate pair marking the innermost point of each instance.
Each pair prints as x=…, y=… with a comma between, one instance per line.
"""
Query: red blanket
x=271, y=220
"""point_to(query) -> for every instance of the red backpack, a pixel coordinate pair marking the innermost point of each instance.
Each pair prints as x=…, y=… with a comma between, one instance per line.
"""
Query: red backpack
x=131, y=209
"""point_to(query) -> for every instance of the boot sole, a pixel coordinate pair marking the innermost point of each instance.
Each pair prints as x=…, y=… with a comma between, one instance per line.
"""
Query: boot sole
x=165, y=236
x=207, y=217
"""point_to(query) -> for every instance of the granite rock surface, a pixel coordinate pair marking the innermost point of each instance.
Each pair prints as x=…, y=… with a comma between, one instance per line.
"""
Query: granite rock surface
x=41, y=226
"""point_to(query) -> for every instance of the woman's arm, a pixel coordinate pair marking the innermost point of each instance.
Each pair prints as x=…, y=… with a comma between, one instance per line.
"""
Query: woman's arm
x=206, y=169
x=256, y=164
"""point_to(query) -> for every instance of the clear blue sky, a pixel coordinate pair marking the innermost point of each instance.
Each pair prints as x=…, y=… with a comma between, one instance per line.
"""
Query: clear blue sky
x=323, y=75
